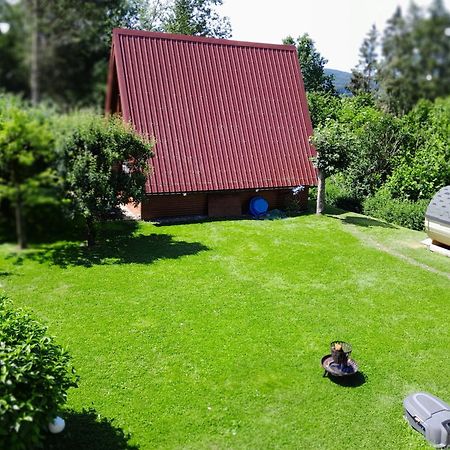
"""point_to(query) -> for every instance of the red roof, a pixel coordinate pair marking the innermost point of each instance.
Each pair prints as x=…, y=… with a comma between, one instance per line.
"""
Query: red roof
x=226, y=115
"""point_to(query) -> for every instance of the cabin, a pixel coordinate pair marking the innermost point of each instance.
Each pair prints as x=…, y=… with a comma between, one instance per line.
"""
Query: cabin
x=437, y=217
x=230, y=120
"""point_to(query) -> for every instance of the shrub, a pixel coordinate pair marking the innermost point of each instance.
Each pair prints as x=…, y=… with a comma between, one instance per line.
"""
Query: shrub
x=35, y=374
x=105, y=165
x=401, y=212
x=378, y=139
x=339, y=198
x=424, y=167
x=322, y=106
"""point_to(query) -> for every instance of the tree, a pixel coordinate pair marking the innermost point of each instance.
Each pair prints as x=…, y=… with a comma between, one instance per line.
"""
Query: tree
x=13, y=68
x=398, y=74
x=322, y=107
x=68, y=43
x=152, y=14
x=379, y=138
x=416, y=57
x=424, y=167
x=26, y=157
x=431, y=37
x=312, y=65
x=333, y=142
x=364, y=76
x=71, y=44
x=105, y=165
x=197, y=18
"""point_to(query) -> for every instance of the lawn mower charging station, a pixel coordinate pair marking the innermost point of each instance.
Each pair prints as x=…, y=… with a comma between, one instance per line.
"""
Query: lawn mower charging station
x=430, y=416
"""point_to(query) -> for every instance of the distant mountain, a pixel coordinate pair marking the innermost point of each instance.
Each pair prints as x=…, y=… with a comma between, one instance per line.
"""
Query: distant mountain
x=341, y=80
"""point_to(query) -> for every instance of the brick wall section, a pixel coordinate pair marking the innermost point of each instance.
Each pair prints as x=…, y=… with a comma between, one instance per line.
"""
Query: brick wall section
x=226, y=204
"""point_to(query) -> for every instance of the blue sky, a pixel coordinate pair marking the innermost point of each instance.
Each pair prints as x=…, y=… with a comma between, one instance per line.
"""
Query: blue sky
x=337, y=27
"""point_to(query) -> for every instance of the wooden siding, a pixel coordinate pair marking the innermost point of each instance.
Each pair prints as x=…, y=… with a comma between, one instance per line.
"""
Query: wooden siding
x=174, y=206
x=213, y=204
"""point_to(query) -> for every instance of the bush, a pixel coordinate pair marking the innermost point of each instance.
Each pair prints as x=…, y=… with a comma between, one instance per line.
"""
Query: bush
x=401, y=212
x=322, y=106
x=105, y=165
x=339, y=198
x=378, y=139
x=424, y=167
x=35, y=374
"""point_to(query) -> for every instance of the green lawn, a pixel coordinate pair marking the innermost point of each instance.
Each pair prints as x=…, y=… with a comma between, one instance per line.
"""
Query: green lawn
x=210, y=335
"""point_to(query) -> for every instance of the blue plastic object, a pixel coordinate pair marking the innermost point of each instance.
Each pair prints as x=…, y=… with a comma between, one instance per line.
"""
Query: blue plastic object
x=258, y=206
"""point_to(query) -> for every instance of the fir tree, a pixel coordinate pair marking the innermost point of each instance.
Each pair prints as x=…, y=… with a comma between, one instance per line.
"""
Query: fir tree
x=312, y=65
x=364, y=75
x=416, y=57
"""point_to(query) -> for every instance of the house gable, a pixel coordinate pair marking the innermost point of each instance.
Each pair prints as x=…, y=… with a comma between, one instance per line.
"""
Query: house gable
x=226, y=115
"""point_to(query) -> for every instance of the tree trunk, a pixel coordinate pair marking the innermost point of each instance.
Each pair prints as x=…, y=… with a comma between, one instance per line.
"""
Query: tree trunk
x=20, y=224
x=90, y=231
x=320, y=192
x=34, y=69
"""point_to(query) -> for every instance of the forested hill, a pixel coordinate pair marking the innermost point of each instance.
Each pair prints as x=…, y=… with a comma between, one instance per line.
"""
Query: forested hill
x=341, y=80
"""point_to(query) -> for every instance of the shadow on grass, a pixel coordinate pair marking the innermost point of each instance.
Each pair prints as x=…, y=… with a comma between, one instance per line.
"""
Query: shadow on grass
x=366, y=222
x=353, y=381
x=116, y=245
x=186, y=220
x=86, y=430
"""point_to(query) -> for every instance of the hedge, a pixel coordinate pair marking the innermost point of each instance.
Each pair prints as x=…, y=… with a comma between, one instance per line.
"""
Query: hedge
x=400, y=212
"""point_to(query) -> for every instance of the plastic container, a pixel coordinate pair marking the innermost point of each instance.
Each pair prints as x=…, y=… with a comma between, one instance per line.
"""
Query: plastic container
x=258, y=206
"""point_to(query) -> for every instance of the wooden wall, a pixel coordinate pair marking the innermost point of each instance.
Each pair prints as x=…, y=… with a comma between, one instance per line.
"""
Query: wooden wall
x=216, y=204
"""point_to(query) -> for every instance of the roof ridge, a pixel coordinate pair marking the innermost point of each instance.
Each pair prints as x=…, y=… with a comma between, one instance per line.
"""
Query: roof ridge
x=200, y=39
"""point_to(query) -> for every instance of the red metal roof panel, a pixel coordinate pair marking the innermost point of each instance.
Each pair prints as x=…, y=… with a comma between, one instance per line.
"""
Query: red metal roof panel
x=226, y=115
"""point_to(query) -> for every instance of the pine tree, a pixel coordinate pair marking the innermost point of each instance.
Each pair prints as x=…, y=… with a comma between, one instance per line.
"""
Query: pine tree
x=416, y=57
x=398, y=81
x=433, y=42
x=312, y=65
x=364, y=75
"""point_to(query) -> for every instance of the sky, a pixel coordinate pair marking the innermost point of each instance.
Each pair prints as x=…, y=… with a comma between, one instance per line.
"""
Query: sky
x=337, y=27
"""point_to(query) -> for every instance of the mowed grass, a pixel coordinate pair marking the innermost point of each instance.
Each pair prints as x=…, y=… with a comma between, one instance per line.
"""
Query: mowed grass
x=210, y=335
